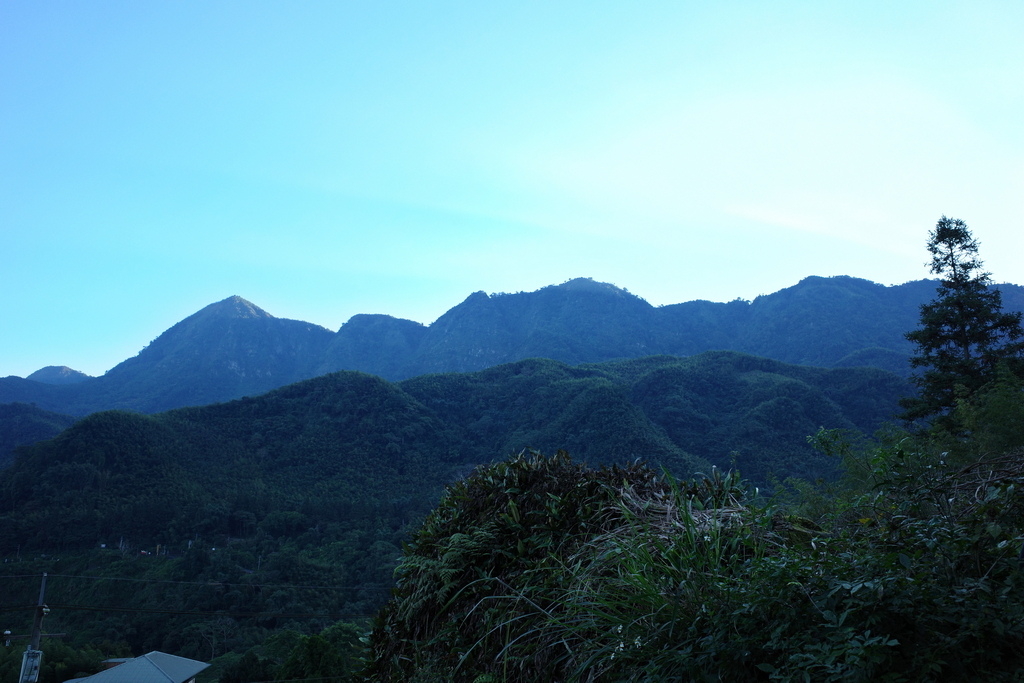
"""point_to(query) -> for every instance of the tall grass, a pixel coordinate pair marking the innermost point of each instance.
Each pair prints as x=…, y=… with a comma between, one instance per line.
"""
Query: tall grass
x=916, y=578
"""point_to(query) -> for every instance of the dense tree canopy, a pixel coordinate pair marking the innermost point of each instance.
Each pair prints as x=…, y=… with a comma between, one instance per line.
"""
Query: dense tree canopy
x=247, y=528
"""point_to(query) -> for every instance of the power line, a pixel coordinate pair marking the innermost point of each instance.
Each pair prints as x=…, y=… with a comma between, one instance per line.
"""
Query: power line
x=267, y=615
x=369, y=586
x=17, y=608
x=300, y=680
x=21, y=576
x=247, y=615
x=141, y=610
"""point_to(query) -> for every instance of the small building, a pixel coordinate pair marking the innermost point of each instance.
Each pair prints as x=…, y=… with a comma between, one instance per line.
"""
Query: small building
x=156, y=667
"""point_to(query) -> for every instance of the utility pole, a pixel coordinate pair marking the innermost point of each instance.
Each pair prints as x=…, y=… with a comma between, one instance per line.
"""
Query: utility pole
x=33, y=656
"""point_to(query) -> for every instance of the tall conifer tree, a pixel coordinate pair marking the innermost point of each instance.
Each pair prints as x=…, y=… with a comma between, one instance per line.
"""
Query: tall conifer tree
x=964, y=335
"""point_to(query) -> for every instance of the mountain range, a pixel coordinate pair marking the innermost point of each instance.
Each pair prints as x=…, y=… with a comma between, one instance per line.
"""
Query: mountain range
x=287, y=511
x=233, y=348
x=350, y=436
x=239, y=449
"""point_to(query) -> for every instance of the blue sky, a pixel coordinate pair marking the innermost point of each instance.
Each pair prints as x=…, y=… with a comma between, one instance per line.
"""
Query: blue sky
x=324, y=159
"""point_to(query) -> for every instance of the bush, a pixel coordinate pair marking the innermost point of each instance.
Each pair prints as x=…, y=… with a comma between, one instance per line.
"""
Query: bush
x=540, y=569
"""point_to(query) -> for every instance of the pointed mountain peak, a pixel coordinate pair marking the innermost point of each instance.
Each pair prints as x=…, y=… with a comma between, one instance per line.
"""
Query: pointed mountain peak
x=234, y=307
x=214, y=316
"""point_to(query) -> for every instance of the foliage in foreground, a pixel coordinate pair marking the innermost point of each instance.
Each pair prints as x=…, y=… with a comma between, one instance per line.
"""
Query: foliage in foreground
x=495, y=534
x=541, y=569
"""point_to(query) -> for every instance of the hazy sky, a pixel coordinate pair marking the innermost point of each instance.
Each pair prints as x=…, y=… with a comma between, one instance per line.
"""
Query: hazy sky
x=323, y=159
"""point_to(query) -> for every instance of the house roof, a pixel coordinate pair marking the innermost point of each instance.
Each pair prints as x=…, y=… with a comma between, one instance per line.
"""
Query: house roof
x=156, y=667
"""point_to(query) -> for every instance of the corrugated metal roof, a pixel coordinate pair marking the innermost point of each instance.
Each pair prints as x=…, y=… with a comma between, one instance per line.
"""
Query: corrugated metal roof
x=156, y=667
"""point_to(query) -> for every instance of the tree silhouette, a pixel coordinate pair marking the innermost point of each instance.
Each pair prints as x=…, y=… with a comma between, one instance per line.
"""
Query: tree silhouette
x=964, y=335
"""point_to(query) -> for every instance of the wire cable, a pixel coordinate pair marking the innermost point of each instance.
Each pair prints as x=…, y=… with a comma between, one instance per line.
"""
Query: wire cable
x=368, y=586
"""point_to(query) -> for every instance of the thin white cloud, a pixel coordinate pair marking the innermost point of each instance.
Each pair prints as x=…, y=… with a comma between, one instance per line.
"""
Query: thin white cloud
x=852, y=161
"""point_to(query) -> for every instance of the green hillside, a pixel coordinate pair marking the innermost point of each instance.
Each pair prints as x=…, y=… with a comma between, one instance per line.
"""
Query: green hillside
x=22, y=424
x=319, y=483
x=907, y=567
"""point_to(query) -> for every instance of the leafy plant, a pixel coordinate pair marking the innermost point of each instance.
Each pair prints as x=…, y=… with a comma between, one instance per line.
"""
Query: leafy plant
x=912, y=574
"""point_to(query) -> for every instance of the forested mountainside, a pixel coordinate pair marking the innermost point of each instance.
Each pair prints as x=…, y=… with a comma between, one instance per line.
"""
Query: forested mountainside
x=357, y=438
x=316, y=484
x=233, y=348
x=907, y=567
x=22, y=424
